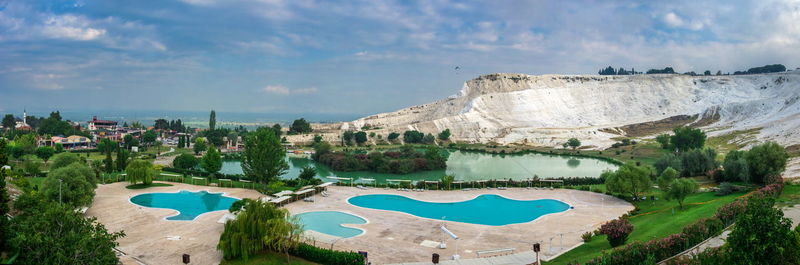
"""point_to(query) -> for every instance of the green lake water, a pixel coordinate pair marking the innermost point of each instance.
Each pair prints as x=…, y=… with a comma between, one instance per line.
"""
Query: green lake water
x=466, y=165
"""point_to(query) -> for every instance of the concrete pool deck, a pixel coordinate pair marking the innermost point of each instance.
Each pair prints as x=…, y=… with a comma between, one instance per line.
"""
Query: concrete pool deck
x=395, y=237
x=390, y=237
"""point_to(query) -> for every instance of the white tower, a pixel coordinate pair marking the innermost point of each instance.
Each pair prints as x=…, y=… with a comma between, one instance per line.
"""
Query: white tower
x=24, y=116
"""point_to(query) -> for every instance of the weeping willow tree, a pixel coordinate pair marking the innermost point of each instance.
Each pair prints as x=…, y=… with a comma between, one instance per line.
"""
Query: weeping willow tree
x=258, y=226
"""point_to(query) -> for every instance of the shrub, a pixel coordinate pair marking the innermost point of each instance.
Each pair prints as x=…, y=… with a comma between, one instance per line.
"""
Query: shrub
x=326, y=256
x=724, y=188
x=617, y=231
x=587, y=236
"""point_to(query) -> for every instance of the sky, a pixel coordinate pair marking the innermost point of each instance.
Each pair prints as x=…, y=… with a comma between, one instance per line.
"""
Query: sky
x=364, y=57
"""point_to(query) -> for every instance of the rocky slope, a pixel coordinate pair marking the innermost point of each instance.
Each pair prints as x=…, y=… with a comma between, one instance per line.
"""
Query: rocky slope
x=548, y=109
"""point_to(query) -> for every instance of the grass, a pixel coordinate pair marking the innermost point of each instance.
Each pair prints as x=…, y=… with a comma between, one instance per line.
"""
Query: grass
x=790, y=196
x=267, y=258
x=732, y=141
x=144, y=186
x=654, y=220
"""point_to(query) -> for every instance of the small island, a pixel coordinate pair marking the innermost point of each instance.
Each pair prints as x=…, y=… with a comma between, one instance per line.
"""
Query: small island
x=404, y=161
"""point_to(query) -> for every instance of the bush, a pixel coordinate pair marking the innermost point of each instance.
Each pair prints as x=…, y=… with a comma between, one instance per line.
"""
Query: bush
x=725, y=188
x=587, y=236
x=326, y=256
x=617, y=231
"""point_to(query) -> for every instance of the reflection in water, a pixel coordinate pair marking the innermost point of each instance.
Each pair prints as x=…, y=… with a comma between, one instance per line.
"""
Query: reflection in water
x=465, y=165
x=573, y=163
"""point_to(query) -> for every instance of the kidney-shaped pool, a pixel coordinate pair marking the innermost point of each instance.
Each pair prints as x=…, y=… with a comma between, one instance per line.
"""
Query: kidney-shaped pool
x=188, y=204
x=487, y=209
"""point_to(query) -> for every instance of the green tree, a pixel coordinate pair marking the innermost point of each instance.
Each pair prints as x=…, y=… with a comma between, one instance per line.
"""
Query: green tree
x=428, y=139
x=665, y=180
x=233, y=138
x=698, y=162
x=574, y=143
x=762, y=236
x=679, y=189
x=57, y=234
x=766, y=160
x=212, y=161
x=9, y=122
x=283, y=233
x=107, y=146
x=199, y=146
x=735, y=166
x=73, y=185
x=129, y=141
x=97, y=168
x=321, y=149
x=447, y=181
x=393, y=136
x=149, y=137
x=5, y=233
x=45, y=152
x=629, y=179
x=317, y=139
x=185, y=161
x=264, y=156
x=307, y=173
x=412, y=136
x=300, y=126
x=663, y=139
x=687, y=138
x=32, y=165
x=348, y=136
x=444, y=135
x=361, y=137
x=212, y=120
x=277, y=130
x=122, y=158
x=253, y=230
x=59, y=148
x=140, y=171
x=63, y=159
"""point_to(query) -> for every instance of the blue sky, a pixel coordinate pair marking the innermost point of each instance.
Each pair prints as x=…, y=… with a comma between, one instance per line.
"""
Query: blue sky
x=355, y=56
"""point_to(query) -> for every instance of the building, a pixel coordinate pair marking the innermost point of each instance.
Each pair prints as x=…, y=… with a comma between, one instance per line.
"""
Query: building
x=96, y=124
x=23, y=125
x=71, y=142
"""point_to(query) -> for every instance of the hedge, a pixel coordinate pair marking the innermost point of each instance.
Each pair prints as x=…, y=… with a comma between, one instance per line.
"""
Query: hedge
x=326, y=256
x=660, y=249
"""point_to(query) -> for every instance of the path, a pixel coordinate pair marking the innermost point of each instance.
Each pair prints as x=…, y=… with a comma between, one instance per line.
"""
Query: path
x=526, y=257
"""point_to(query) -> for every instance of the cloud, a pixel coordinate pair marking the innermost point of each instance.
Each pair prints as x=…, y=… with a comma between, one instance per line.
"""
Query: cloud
x=283, y=90
x=675, y=21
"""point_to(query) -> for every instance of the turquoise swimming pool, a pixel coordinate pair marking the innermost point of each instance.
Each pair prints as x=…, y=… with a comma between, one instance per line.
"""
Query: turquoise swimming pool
x=485, y=209
x=188, y=204
x=330, y=222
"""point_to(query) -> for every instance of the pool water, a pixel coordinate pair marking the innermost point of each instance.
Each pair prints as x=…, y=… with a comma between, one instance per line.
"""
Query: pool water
x=330, y=222
x=188, y=204
x=485, y=209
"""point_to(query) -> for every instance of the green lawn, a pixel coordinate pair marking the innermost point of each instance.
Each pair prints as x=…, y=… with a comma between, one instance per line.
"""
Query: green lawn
x=789, y=197
x=267, y=258
x=654, y=220
x=144, y=186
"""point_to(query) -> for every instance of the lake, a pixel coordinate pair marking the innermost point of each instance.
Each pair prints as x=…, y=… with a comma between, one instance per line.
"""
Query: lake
x=466, y=165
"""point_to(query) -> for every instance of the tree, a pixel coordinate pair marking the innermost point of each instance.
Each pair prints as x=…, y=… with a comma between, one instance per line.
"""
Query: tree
x=212, y=161
x=574, y=143
x=9, y=122
x=393, y=136
x=73, y=185
x=258, y=226
x=762, y=236
x=607, y=71
x=361, y=137
x=686, y=138
x=300, y=126
x=348, y=136
x=707, y=72
x=161, y=124
x=140, y=171
x=663, y=139
x=32, y=165
x=283, y=233
x=264, y=156
x=149, y=137
x=307, y=173
x=45, y=152
x=698, y=162
x=107, y=146
x=447, y=181
x=57, y=234
x=412, y=136
x=97, y=168
x=63, y=159
x=277, y=130
x=665, y=180
x=233, y=138
x=185, y=161
x=321, y=149
x=766, y=160
x=428, y=139
x=736, y=168
x=199, y=146
x=59, y=148
x=630, y=179
x=681, y=188
x=122, y=158
x=212, y=120
x=317, y=139
x=4, y=201
x=129, y=141
x=444, y=135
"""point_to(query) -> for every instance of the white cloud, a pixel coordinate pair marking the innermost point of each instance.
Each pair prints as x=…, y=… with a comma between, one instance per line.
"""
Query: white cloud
x=675, y=21
x=283, y=90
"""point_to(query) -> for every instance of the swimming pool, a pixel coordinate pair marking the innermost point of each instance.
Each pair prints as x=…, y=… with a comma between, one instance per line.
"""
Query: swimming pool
x=485, y=209
x=188, y=204
x=330, y=222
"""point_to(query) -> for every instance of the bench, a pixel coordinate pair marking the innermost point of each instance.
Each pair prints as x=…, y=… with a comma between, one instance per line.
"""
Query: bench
x=495, y=252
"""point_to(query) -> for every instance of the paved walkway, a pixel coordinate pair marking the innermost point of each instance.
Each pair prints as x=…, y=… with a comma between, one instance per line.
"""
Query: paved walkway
x=526, y=257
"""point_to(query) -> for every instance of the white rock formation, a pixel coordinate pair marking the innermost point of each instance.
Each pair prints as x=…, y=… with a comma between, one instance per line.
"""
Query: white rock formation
x=548, y=109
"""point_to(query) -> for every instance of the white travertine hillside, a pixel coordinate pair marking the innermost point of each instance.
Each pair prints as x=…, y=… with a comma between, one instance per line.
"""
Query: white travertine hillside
x=548, y=109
